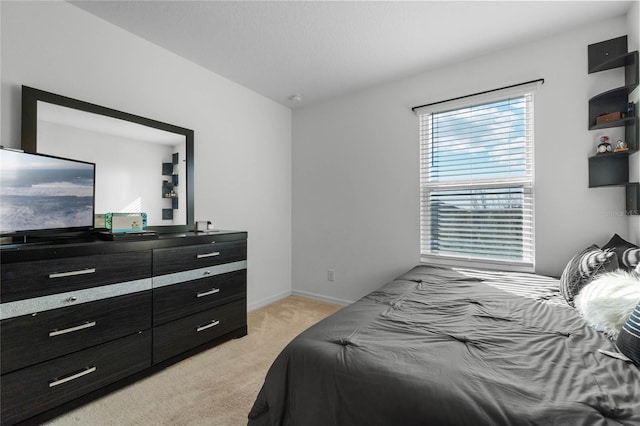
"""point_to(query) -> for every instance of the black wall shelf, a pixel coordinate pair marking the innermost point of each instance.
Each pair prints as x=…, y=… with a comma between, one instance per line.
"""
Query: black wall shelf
x=608, y=170
x=169, y=187
x=607, y=54
x=633, y=198
x=612, y=169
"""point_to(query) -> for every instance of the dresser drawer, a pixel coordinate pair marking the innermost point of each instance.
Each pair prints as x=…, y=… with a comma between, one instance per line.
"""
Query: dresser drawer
x=30, y=339
x=178, y=336
x=24, y=280
x=179, y=300
x=169, y=260
x=33, y=390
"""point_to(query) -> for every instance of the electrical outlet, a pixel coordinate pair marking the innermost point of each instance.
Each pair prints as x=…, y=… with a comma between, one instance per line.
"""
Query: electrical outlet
x=331, y=275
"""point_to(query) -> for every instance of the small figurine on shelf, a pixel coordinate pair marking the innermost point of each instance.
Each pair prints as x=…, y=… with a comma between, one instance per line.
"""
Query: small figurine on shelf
x=604, y=145
x=621, y=146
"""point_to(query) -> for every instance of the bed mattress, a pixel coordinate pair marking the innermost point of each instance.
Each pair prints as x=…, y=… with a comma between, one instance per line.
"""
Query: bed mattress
x=439, y=346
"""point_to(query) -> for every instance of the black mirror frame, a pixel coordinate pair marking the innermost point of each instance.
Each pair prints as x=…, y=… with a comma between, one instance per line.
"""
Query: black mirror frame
x=30, y=98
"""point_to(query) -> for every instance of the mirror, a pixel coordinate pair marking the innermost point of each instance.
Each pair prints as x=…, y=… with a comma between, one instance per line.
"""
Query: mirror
x=142, y=165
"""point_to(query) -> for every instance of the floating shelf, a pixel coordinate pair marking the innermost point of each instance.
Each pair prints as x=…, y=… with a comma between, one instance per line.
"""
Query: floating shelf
x=618, y=123
x=614, y=154
x=633, y=198
x=616, y=62
x=608, y=170
x=609, y=54
x=612, y=168
x=168, y=187
x=615, y=100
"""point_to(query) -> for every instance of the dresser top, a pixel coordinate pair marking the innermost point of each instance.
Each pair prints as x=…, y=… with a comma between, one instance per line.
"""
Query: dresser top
x=93, y=246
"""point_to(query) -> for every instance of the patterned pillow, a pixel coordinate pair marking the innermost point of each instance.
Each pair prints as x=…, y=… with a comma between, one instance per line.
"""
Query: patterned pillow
x=628, y=253
x=628, y=341
x=583, y=267
x=630, y=258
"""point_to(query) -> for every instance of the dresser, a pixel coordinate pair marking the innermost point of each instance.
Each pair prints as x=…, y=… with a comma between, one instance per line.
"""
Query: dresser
x=79, y=318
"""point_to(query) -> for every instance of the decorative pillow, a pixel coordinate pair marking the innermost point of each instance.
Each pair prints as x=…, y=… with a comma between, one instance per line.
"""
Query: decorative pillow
x=628, y=253
x=608, y=300
x=629, y=338
x=583, y=267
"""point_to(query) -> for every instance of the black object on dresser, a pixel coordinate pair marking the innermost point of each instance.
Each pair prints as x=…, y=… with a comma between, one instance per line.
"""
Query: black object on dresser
x=80, y=319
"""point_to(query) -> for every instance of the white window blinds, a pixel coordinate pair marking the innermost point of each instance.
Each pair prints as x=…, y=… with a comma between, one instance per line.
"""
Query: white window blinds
x=476, y=181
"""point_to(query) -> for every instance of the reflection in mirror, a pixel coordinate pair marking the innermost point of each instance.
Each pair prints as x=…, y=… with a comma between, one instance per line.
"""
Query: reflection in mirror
x=129, y=158
x=141, y=165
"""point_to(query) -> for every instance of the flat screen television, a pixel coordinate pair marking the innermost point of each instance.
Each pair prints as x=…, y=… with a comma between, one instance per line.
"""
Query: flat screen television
x=43, y=195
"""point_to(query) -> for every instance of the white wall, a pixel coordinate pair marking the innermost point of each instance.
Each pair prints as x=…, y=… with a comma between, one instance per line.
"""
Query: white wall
x=355, y=166
x=242, y=140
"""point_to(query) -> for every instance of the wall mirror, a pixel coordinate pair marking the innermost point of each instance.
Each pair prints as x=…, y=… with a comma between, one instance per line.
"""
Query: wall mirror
x=142, y=165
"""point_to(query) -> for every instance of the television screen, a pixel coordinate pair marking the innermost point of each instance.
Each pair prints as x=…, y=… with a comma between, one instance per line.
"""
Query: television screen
x=41, y=192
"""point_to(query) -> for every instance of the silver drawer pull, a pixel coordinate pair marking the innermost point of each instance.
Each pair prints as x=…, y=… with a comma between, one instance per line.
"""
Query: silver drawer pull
x=72, y=329
x=211, y=324
x=84, y=372
x=212, y=254
x=72, y=273
x=208, y=293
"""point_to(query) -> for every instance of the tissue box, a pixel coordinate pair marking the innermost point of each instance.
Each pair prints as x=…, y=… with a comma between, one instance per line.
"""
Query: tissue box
x=125, y=222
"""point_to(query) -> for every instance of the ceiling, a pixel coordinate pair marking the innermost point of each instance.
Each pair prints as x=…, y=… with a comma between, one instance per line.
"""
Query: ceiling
x=323, y=49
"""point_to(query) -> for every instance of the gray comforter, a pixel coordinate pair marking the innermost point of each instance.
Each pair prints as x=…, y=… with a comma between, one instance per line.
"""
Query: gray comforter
x=435, y=347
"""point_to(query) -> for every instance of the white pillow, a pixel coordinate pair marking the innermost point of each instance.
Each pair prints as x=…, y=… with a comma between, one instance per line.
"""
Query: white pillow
x=607, y=302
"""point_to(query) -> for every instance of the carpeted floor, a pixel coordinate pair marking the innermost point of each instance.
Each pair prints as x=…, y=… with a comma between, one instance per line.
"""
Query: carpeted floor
x=215, y=387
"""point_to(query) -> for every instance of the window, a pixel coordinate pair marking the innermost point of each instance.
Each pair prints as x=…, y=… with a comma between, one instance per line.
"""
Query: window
x=476, y=181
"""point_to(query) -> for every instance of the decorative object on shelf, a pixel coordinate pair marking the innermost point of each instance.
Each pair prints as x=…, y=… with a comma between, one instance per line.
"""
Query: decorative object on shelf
x=125, y=222
x=621, y=146
x=99, y=221
x=604, y=145
x=168, y=190
x=204, y=226
x=609, y=117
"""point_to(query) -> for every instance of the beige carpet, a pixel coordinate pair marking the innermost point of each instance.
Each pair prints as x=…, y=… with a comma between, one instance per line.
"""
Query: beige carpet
x=214, y=387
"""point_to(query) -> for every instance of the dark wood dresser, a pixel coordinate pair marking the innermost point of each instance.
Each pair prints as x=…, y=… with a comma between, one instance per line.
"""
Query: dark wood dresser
x=80, y=319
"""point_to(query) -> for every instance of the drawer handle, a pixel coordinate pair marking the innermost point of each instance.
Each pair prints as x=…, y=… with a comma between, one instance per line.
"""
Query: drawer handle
x=72, y=273
x=84, y=372
x=72, y=329
x=204, y=327
x=212, y=254
x=208, y=293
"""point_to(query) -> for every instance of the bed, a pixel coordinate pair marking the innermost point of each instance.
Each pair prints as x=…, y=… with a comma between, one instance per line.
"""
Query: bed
x=445, y=346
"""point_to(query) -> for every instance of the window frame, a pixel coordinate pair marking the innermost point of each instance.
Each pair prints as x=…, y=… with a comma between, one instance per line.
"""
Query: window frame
x=526, y=182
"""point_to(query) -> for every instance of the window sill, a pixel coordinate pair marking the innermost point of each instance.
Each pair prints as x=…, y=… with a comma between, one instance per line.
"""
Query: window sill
x=475, y=263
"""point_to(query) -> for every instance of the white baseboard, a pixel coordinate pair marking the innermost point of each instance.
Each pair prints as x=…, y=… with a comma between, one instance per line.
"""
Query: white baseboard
x=272, y=299
x=321, y=297
x=267, y=301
